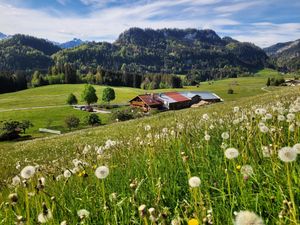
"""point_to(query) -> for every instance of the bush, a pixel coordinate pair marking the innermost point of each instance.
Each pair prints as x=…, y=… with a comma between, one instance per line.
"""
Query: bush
x=126, y=114
x=10, y=130
x=230, y=91
x=72, y=100
x=72, y=122
x=93, y=119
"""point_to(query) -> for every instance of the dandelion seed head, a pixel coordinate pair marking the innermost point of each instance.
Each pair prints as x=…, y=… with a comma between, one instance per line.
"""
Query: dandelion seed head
x=287, y=154
x=207, y=137
x=194, y=182
x=27, y=172
x=16, y=181
x=231, y=153
x=102, y=172
x=83, y=213
x=281, y=118
x=225, y=135
x=147, y=128
x=67, y=173
x=248, y=218
x=297, y=148
x=246, y=170
x=45, y=216
x=205, y=117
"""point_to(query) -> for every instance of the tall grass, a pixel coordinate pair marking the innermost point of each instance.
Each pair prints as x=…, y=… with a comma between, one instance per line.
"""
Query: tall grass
x=152, y=160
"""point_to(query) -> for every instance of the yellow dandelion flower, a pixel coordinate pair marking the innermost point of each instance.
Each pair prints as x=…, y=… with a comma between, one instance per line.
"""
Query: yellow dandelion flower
x=238, y=167
x=193, y=222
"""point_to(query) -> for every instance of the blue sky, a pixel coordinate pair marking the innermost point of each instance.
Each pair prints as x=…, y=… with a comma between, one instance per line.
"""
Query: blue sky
x=258, y=21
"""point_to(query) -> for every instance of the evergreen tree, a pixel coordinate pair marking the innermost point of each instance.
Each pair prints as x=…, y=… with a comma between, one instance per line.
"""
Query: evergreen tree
x=72, y=100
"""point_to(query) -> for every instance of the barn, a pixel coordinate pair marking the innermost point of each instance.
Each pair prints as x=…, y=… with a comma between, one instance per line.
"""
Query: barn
x=172, y=100
x=146, y=102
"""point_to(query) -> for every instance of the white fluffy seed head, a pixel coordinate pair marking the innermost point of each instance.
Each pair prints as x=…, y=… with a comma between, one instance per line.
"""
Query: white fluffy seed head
x=194, y=182
x=231, y=153
x=102, y=172
x=45, y=217
x=16, y=181
x=246, y=170
x=248, y=218
x=83, y=213
x=67, y=173
x=225, y=135
x=297, y=148
x=27, y=172
x=287, y=154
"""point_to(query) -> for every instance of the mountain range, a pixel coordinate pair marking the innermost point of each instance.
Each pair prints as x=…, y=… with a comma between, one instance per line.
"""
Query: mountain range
x=3, y=36
x=199, y=53
x=285, y=55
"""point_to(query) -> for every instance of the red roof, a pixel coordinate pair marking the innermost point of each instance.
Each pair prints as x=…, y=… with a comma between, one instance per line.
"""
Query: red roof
x=150, y=100
x=177, y=96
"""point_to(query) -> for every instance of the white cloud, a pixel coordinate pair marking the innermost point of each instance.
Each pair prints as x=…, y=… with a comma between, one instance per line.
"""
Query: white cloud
x=107, y=23
x=265, y=34
x=236, y=7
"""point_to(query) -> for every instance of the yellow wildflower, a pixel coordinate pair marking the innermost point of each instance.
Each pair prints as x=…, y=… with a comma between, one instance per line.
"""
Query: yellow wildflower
x=193, y=222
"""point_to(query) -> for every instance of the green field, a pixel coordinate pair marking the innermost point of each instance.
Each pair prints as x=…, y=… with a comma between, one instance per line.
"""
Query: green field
x=23, y=105
x=153, y=166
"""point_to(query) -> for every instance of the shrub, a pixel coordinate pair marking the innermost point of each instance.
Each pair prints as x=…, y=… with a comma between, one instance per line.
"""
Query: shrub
x=72, y=122
x=93, y=119
x=10, y=130
x=72, y=100
x=126, y=114
x=230, y=91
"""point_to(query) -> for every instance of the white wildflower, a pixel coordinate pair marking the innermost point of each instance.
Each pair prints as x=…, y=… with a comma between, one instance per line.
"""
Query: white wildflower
x=86, y=149
x=246, y=170
x=264, y=129
x=225, y=135
x=290, y=117
x=194, y=182
x=248, y=218
x=231, y=153
x=297, y=148
x=281, y=118
x=27, y=172
x=236, y=109
x=205, y=117
x=67, y=174
x=102, y=172
x=147, y=128
x=287, y=154
x=16, y=181
x=83, y=213
x=207, y=137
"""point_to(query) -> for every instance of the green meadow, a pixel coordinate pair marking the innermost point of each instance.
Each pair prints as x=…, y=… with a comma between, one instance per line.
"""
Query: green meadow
x=28, y=104
x=193, y=166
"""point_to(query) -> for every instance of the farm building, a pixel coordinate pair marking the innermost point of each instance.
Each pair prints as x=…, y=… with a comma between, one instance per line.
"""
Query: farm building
x=172, y=100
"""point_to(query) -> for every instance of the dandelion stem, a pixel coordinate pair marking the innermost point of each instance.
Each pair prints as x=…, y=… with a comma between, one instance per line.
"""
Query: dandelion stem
x=27, y=207
x=294, y=210
x=104, y=201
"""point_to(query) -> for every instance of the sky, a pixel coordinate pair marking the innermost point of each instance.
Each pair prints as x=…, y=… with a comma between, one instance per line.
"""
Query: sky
x=262, y=22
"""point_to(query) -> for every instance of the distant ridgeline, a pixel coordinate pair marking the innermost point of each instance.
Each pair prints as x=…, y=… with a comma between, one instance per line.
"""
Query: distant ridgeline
x=286, y=56
x=137, y=53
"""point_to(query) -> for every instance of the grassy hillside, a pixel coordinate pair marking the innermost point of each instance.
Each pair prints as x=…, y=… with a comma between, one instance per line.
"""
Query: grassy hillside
x=151, y=161
x=24, y=105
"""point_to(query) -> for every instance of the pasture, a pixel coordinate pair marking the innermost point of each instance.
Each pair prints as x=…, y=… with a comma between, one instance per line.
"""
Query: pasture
x=194, y=166
x=46, y=105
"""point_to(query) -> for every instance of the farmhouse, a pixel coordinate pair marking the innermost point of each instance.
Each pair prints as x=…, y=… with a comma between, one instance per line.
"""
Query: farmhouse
x=172, y=100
